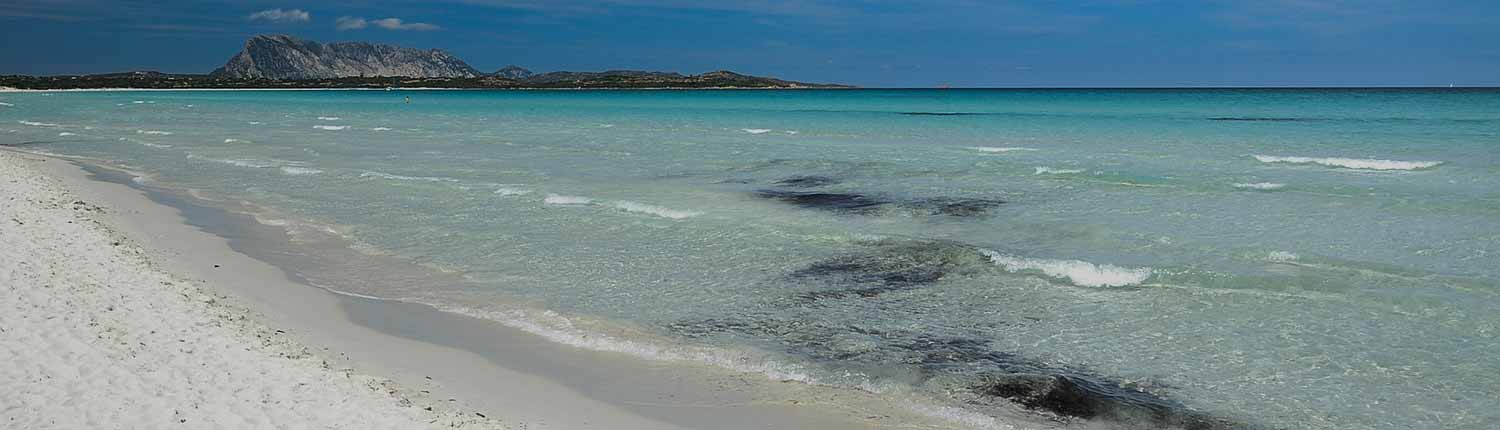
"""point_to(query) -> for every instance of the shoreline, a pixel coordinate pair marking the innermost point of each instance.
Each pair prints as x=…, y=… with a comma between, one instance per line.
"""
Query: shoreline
x=519, y=376
x=127, y=89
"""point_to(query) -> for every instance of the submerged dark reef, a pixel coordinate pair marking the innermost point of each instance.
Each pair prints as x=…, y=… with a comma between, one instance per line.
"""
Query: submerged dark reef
x=795, y=191
x=970, y=369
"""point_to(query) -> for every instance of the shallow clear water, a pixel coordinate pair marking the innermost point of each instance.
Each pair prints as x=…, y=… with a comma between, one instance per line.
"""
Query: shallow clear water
x=1282, y=258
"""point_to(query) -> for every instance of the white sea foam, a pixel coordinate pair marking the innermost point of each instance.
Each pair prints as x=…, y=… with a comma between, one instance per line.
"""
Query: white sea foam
x=146, y=144
x=1281, y=257
x=1051, y=171
x=792, y=132
x=37, y=124
x=299, y=171
x=6, y=104
x=629, y=206
x=373, y=174
x=330, y=127
x=66, y=134
x=1260, y=186
x=256, y=164
x=511, y=191
x=1352, y=163
x=1000, y=149
x=557, y=199
x=139, y=102
x=232, y=140
x=381, y=129
x=1080, y=273
x=756, y=130
x=154, y=132
x=254, y=122
x=329, y=118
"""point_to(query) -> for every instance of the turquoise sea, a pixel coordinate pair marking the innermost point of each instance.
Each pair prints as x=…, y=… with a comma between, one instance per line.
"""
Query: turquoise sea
x=1214, y=258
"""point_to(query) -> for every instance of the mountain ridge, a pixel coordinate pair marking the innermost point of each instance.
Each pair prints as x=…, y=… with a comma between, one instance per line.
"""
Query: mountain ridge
x=280, y=56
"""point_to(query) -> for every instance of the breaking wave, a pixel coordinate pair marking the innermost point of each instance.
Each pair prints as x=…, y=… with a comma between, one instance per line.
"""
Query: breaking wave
x=373, y=174
x=37, y=124
x=756, y=130
x=236, y=141
x=6, y=104
x=1080, y=273
x=654, y=210
x=511, y=191
x=146, y=144
x=329, y=118
x=1052, y=171
x=1352, y=163
x=1281, y=257
x=256, y=164
x=331, y=127
x=1260, y=186
x=154, y=132
x=1000, y=149
x=558, y=199
x=67, y=134
x=299, y=171
x=381, y=129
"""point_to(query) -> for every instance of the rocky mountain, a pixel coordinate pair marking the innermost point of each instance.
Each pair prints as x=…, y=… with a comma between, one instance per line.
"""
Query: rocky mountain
x=512, y=72
x=283, y=57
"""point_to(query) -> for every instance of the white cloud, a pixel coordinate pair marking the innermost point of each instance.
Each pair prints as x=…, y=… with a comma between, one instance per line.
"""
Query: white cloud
x=357, y=23
x=281, y=16
x=350, y=23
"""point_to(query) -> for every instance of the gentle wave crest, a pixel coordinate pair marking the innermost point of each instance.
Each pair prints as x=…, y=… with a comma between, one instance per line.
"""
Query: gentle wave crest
x=558, y=199
x=37, y=124
x=512, y=191
x=299, y=171
x=236, y=141
x=756, y=130
x=629, y=206
x=256, y=164
x=331, y=127
x=67, y=134
x=373, y=174
x=1260, y=186
x=1051, y=171
x=1080, y=273
x=1352, y=163
x=154, y=132
x=329, y=118
x=1000, y=149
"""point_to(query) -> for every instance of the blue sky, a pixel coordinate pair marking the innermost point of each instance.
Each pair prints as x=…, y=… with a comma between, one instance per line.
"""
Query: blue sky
x=867, y=42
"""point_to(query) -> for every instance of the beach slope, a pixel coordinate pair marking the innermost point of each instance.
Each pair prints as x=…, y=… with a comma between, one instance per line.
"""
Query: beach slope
x=94, y=335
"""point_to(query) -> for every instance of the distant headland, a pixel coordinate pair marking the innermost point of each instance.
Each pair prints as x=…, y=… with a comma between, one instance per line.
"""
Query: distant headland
x=281, y=61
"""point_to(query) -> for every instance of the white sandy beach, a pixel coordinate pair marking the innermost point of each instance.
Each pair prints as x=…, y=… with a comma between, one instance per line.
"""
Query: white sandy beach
x=118, y=314
x=96, y=335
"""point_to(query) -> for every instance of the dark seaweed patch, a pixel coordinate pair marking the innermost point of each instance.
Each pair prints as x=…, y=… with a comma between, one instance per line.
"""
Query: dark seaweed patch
x=957, y=207
x=838, y=202
x=968, y=366
x=887, y=269
x=864, y=203
x=1085, y=396
x=942, y=113
x=1258, y=118
x=991, y=375
x=807, y=181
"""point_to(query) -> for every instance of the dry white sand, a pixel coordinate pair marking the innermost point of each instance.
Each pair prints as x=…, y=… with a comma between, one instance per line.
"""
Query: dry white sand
x=116, y=313
x=94, y=335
